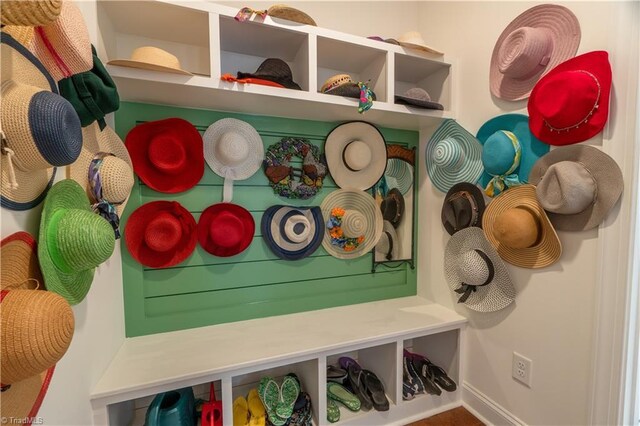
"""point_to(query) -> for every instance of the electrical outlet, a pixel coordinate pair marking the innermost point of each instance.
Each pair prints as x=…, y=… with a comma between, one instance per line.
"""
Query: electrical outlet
x=521, y=369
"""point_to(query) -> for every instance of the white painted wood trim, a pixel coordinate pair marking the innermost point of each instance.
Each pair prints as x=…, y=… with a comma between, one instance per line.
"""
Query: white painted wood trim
x=485, y=409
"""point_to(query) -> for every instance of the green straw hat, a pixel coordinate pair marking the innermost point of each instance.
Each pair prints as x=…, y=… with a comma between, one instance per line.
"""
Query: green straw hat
x=73, y=241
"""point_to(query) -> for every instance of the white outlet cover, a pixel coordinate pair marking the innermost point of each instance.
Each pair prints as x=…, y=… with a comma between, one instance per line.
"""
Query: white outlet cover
x=522, y=369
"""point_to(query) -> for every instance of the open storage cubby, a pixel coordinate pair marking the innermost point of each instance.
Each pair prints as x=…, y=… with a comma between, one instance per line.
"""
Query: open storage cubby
x=428, y=74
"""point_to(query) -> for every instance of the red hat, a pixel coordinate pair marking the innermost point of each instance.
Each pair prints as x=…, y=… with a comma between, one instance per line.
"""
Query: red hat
x=160, y=234
x=571, y=103
x=167, y=154
x=225, y=229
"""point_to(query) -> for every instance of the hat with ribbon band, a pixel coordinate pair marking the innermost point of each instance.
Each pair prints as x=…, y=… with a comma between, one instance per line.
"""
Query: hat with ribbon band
x=275, y=70
x=40, y=129
x=160, y=234
x=225, y=229
x=166, y=154
x=292, y=233
x=343, y=85
x=462, y=208
x=509, y=150
x=475, y=272
x=392, y=207
x=388, y=246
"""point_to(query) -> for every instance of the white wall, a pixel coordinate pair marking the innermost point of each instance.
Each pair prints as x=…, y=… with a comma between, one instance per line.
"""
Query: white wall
x=553, y=321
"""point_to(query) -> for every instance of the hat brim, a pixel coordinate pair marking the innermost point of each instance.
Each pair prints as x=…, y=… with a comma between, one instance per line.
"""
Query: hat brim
x=288, y=13
x=276, y=242
x=548, y=248
x=334, y=146
x=205, y=222
x=606, y=173
x=443, y=179
x=286, y=82
x=532, y=147
x=387, y=227
x=348, y=90
x=564, y=29
x=352, y=199
x=496, y=295
x=475, y=192
x=394, y=196
x=18, y=254
x=403, y=182
x=147, y=66
x=418, y=103
x=416, y=46
x=24, y=398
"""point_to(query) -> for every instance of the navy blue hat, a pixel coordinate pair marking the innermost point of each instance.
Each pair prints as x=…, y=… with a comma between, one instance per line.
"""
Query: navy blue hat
x=292, y=233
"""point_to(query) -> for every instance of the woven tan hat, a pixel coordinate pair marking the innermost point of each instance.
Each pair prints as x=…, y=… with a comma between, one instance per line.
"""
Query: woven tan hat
x=518, y=227
x=23, y=35
x=289, y=13
x=115, y=169
x=19, y=258
x=152, y=58
x=413, y=40
x=23, y=399
x=31, y=13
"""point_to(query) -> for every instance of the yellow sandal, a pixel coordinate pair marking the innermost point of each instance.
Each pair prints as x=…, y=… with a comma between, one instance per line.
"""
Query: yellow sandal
x=256, y=409
x=240, y=412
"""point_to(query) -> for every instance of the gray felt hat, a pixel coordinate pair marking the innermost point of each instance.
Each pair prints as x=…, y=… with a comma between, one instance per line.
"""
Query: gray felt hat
x=418, y=97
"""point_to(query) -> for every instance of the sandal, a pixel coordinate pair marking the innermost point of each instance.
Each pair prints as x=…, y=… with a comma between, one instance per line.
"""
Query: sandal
x=336, y=374
x=441, y=378
x=411, y=373
x=375, y=388
x=269, y=393
x=240, y=412
x=256, y=409
x=333, y=411
x=289, y=391
x=337, y=392
x=422, y=367
x=302, y=411
x=354, y=380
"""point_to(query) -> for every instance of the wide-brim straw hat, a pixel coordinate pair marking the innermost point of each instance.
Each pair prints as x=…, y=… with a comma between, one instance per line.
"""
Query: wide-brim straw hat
x=413, y=40
x=116, y=171
x=225, y=229
x=453, y=155
x=546, y=249
x=463, y=207
x=343, y=85
x=33, y=13
x=529, y=47
x=466, y=269
x=64, y=46
x=292, y=233
x=24, y=398
x=41, y=128
x=584, y=178
x=289, y=13
x=153, y=59
x=367, y=220
x=23, y=35
x=21, y=271
x=356, y=155
x=73, y=241
x=388, y=246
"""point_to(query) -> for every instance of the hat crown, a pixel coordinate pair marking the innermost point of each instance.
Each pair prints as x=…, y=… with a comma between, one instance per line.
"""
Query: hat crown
x=459, y=211
x=417, y=93
x=413, y=37
x=155, y=56
x=232, y=149
x=448, y=154
x=274, y=67
x=472, y=268
x=517, y=228
x=499, y=152
x=167, y=153
x=354, y=223
x=335, y=81
x=357, y=155
x=297, y=228
x=117, y=179
x=226, y=230
x=567, y=187
x=525, y=52
x=163, y=232
x=383, y=243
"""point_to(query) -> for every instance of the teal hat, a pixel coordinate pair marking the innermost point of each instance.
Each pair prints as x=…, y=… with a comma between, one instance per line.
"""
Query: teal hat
x=452, y=156
x=399, y=174
x=508, y=153
x=73, y=241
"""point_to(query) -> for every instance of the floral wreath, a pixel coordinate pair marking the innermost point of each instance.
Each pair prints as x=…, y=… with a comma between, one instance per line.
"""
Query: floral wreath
x=291, y=182
x=337, y=235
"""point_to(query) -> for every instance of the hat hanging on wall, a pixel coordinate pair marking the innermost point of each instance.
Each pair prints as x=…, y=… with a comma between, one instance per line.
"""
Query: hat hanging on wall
x=289, y=13
x=462, y=208
x=353, y=221
x=356, y=155
x=509, y=150
x=398, y=175
x=577, y=186
x=517, y=225
x=152, y=58
x=32, y=13
x=63, y=46
x=453, y=155
x=275, y=70
x=160, y=234
x=413, y=40
x=476, y=273
x=388, y=246
x=19, y=251
x=72, y=242
x=166, y=154
x=418, y=97
x=571, y=103
x=225, y=229
x=529, y=47
x=392, y=207
x=233, y=149
x=292, y=233
x=23, y=35
x=40, y=129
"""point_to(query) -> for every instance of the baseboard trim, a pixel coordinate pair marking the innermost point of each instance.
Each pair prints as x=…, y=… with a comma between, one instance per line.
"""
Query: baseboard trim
x=486, y=409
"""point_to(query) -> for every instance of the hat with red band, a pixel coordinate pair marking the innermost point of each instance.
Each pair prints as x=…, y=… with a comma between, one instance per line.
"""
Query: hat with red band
x=225, y=229
x=167, y=154
x=160, y=234
x=571, y=103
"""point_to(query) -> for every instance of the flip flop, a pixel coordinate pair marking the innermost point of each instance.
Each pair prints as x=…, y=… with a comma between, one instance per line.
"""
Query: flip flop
x=301, y=411
x=333, y=411
x=337, y=392
x=441, y=378
x=240, y=412
x=289, y=391
x=336, y=374
x=422, y=366
x=375, y=388
x=354, y=379
x=256, y=409
x=269, y=393
x=412, y=374
x=408, y=392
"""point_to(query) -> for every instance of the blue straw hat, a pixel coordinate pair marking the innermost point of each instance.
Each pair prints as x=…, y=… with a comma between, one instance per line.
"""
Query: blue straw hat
x=509, y=152
x=292, y=233
x=453, y=155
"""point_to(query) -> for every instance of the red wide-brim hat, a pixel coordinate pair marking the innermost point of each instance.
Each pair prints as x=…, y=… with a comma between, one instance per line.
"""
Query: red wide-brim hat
x=571, y=103
x=225, y=229
x=160, y=234
x=167, y=154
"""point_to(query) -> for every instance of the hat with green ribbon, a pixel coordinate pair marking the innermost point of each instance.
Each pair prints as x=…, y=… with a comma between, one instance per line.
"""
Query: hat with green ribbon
x=73, y=241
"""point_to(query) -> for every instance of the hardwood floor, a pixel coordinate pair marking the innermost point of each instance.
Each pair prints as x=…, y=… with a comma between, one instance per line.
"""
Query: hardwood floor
x=456, y=417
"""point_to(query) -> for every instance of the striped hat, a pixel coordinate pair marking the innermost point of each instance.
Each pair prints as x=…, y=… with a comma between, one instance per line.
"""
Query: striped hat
x=453, y=155
x=399, y=175
x=292, y=233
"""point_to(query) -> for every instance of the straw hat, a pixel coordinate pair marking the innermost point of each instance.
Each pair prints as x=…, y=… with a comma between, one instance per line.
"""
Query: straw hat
x=41, y=129
x=32, y=13
x=517, y=225
x=166, y=154
x=418, y=97
x=292, y=233
x=152, y=58
x=475, y=272
x=577, y=185
x=225, y=229
x=18, y=250
x=453, y=155
x=399, y=175
x=160, y=234
x=289, y=13
x=462, y=208
x=388, y=246
x=529, y=47
x=353, y=221
x=413, y=40
x=571, y=103
x=356, y=155
x=23, y=35
x=275, y=70
x=343, y=85
x=112, y=167
x=63, y=46
x=73, y=241
x=24, y=398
